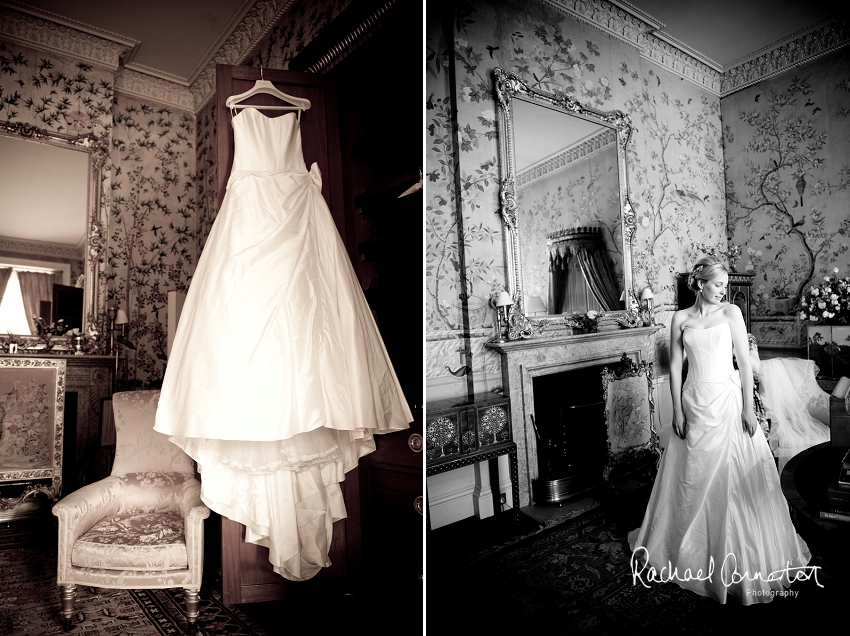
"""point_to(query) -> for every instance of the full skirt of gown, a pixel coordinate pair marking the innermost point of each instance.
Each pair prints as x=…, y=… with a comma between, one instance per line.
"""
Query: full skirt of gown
x=717, y=515
x=278, y=378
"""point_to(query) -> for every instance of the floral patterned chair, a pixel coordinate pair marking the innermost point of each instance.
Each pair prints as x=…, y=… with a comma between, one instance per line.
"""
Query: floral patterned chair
x=141, y=527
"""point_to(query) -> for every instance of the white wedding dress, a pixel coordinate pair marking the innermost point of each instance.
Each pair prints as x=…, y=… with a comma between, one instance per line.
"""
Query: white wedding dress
x=278, y=378
x=716, y=498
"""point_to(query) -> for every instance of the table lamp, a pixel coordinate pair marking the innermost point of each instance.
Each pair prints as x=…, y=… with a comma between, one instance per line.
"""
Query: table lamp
x=646, y=301
x=502, y=302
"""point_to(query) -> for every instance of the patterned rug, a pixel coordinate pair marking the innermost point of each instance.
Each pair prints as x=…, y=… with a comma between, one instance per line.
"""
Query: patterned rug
x=575, y=578
x=30, y=605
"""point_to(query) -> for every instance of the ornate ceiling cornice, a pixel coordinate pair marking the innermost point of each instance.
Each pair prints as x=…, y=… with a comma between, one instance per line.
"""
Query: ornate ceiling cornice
x=605, y=138
x=256, y=25
x=49, y=32
x=40, y=248
x=792, y=51
x=143, y=86
x=58, y=36
x=632, y=26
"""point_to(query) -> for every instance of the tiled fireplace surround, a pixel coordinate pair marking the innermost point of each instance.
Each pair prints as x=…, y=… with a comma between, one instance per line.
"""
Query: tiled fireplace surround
x=523, y=360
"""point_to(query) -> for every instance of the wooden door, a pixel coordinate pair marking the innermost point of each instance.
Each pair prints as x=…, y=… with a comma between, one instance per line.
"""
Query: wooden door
x=380, y=103
x=247, y=575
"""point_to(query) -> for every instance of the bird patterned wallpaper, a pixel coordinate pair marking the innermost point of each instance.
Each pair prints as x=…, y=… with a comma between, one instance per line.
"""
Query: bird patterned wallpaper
x=787, y=150
x=152, y=221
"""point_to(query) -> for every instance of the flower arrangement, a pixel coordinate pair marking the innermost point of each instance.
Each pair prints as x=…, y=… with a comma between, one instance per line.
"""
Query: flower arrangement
x=49, y=331
x=827, y=302
x=584, y=322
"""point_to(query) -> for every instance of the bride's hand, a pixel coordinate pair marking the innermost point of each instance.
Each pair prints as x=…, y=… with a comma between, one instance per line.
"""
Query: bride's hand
x=750, y=422
x=680, y=425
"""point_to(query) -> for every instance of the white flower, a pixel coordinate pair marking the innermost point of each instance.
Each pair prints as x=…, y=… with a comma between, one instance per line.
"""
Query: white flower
x=488, y=114
x=644, y=221
x=822, y=305
x=750, y=266
x=571, y=49
x=802, y=315
x=592, y=314
x=577, y=70
x=835, y=269
x=758, y=252
x=461, y=43
x=750, y=251
x=761, y=286
x=467, y=94
x=815, y=291
x=588, y=85
x=826, y=278
x=833, y=297
x=603, y=81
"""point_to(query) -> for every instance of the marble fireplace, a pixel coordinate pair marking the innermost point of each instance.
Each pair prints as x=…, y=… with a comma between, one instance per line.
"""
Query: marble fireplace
x=524, y=360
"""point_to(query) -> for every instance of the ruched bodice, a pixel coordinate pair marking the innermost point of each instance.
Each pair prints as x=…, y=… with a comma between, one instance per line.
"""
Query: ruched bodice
x=266, y=143
x=709, y=353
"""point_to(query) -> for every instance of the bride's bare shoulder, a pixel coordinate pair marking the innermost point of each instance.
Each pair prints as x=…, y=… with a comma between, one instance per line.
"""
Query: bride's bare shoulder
x=679, y=318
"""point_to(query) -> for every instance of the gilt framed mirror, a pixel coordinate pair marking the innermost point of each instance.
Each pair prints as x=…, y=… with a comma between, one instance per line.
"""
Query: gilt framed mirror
x=54, y=221
x=565, y=207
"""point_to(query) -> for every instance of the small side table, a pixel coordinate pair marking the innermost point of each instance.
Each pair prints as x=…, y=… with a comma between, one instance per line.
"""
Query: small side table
x=804, y=482
x=461, y=432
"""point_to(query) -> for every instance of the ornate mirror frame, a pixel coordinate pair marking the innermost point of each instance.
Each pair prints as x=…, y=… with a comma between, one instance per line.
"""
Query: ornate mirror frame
x=94, y=261
x=509, y=87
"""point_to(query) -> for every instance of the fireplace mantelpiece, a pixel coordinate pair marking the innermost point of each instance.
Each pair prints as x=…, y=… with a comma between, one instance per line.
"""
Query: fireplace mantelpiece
x=522, y=360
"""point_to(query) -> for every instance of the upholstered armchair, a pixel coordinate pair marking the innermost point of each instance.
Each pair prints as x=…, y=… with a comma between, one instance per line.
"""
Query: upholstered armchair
x=141, y=527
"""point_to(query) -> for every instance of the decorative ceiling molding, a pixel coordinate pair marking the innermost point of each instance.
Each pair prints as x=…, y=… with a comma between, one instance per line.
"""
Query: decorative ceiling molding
x=622, y=22
x=55, y=35
x=142, y=86
x=629, y=24
x=39, y=248
x=208, y=56
x=256, y=25
x=580, y=150
x=342, y=37
x=799, y=48
x=669, y=56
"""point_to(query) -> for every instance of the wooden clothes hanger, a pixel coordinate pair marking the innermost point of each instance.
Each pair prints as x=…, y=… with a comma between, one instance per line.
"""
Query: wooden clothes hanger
x=265, y=87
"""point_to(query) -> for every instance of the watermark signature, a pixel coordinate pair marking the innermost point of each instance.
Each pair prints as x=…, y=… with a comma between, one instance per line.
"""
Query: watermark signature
x=729, y=574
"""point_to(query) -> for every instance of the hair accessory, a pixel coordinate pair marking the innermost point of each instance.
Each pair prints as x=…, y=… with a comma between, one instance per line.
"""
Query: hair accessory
x=693, y=275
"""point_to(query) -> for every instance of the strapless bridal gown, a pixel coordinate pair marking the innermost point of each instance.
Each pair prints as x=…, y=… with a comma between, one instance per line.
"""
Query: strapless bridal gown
x=717, y=498
x=278, y=378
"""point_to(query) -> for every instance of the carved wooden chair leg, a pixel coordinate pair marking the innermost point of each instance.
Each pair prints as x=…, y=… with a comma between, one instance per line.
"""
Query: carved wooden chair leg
x=192, y=598
x=68, y=594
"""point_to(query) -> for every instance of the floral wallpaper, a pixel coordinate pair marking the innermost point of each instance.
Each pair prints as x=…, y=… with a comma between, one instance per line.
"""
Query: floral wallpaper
x=583, y=193
x=675, y=160
x=787, y=148
x=152, y=237
x=206, y=179
x=54, y=92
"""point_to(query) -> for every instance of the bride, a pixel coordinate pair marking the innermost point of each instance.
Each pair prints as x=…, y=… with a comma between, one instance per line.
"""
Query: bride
x=716, y=523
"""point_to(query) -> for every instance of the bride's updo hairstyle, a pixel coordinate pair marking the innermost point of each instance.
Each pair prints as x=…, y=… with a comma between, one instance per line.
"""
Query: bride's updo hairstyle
x=705, y=268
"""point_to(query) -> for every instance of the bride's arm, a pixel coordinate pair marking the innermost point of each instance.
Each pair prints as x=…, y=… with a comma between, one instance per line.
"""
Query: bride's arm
x=680, y=425
x=741, y=350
